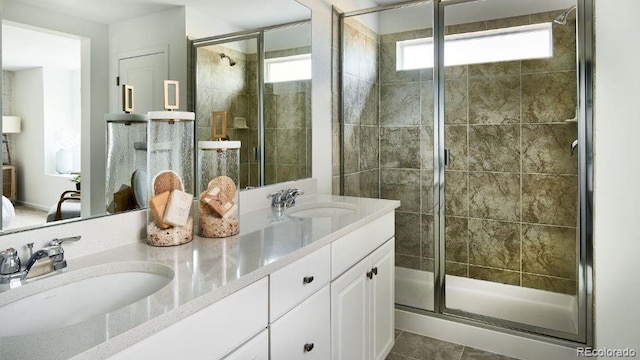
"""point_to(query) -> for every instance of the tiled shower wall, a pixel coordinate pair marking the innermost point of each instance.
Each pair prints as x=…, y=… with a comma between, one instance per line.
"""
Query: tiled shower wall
x=287, y=126
x=287, y=113
x=360, y=108
x=512, y=183
x=221, y=87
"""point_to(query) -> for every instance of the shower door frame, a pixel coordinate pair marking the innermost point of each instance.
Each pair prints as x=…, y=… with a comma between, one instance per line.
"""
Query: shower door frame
x=584, y=248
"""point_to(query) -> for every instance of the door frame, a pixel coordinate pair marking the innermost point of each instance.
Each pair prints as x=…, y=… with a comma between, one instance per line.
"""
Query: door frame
x=114, y=89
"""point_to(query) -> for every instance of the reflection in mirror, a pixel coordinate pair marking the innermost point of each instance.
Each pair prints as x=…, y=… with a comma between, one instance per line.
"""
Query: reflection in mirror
x=228, y=80
x=171, y=95
x=287, y=103
x=41, y=83
x=112, y=40
x=126, y=172
x=226, y=91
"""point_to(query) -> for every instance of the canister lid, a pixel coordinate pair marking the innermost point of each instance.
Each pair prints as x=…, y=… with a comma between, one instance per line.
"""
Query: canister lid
x=125, y=118
x=218, y=145
x=172, y=115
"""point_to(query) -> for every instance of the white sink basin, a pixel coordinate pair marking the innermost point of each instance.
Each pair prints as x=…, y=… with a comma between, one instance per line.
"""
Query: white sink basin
x=321, y=209
x=80, y=295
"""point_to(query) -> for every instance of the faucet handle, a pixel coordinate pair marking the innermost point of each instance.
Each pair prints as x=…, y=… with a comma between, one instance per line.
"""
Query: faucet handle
x=56, y=241
x=296, y=192
x=9, y=262
x=290, y=197
x=277, y=195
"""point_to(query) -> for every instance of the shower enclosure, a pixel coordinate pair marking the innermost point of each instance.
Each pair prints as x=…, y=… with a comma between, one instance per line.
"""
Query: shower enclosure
x=258, y=81
x=476, y=115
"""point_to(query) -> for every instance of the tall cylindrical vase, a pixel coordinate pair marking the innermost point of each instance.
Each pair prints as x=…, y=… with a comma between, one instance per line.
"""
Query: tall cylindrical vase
x=170, y=148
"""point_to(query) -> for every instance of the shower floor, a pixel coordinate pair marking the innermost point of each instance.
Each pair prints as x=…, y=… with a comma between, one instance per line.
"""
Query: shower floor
x=539, y=308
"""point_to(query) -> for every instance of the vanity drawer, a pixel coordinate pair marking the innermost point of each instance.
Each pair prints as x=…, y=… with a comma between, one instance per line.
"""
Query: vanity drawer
x=304, y=333
x=295, y=282
x=254, y=349
x=356, y=245
x=209, y=333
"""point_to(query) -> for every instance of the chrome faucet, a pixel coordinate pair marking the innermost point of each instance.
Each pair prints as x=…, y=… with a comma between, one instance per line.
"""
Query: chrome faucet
x=10, y=265
x=283, y=199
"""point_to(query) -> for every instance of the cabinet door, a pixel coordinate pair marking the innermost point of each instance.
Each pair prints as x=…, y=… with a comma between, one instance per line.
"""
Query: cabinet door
x=304, y=332
x=255, y=349
x=350, y=315
x=382, y=300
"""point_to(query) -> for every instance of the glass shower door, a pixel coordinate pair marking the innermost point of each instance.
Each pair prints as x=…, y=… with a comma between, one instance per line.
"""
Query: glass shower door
x=387, y=132
x=511, y=180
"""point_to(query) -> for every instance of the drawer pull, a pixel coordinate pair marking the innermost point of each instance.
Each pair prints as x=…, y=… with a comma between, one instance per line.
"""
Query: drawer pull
x=308, y=347
x=375, y=270
x=370, y=274
x=307, y=279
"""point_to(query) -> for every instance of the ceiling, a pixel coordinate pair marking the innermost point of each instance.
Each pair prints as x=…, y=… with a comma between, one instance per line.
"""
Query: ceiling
x=44, y=49
x=242, y=13
x=23, y=48
x=245, y=14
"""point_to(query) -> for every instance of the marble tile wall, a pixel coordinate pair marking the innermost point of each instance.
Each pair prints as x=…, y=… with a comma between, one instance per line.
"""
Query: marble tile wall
x=511, y=185
x=406, y=152
x=287, y=113
x=287, y=125
x=361, y=112
x=221, y=87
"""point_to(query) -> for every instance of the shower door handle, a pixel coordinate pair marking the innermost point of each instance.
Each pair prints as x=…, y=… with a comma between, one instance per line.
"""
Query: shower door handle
x=447, y=157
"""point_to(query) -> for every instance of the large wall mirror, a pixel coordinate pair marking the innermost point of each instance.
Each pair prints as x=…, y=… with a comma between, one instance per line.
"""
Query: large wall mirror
x=63, y=66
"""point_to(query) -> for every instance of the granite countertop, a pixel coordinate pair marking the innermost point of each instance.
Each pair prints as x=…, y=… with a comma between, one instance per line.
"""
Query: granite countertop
x=206, y=270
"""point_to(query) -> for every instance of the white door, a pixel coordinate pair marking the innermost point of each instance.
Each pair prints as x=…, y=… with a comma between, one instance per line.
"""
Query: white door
x=382, y=300
x=146, y=73
x=350, y=314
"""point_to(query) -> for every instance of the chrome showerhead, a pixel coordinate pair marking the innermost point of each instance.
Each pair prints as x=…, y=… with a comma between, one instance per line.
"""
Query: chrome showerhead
x=562, y=18
x=231, y=61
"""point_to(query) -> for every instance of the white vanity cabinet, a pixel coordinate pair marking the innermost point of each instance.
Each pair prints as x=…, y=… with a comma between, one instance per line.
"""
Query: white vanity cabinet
x=336, y=302
x=300, y=308
x=210, y=333
x=297, y=281
x=362, y=298
x=304, y=333
x=255, y=349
